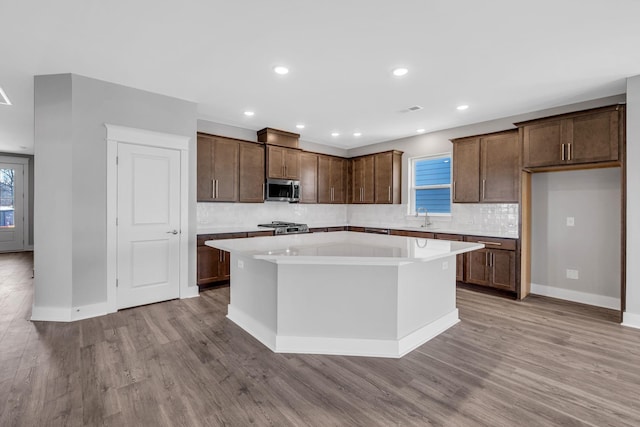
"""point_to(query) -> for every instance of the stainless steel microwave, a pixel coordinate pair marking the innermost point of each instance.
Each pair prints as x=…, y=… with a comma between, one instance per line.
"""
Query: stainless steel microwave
x=282, y=190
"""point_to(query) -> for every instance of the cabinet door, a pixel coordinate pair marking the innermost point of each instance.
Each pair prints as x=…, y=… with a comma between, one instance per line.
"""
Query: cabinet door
x=291, y=164
x=466, y=171
x=543, y=144
x=338, y=175
x=308, y=178
x=476, y=265
x=251, y=173
x=275, y=162
x=205, y=169
x=225, y=170
x=209, y=266
x=503, y=269
x=324, y=179
x=362, y=182
x=593, y=137
x=383, y=178
x=500, y=168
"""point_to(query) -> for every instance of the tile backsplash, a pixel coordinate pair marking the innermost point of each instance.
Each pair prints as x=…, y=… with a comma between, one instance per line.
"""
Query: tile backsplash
x=501, y=217
x=252, y=214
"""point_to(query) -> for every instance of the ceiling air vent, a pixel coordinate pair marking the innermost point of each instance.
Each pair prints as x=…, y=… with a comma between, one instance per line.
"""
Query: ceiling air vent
x=412, y=109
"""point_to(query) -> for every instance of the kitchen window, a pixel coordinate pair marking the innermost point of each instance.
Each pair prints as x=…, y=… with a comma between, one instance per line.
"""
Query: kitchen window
x=430, y=184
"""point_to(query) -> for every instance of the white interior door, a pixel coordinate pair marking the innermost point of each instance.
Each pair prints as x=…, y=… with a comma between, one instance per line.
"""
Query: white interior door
x=148, y=230
x=11, y=207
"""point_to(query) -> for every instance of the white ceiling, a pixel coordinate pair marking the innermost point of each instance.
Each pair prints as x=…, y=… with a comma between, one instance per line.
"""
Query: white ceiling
x=499, y=56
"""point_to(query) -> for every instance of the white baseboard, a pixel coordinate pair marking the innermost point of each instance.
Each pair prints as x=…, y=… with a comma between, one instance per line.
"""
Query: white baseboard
x=342, y=346
x=576, y=296
x=631, y=320
x=50, y=314
x=91, y=310
x=253, y=327
x=190, y=292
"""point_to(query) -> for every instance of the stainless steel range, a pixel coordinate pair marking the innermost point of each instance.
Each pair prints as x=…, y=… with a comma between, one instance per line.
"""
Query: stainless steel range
x=281, y=227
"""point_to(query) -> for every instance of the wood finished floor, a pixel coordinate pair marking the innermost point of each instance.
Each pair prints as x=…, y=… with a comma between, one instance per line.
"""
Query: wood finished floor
x=182, y=363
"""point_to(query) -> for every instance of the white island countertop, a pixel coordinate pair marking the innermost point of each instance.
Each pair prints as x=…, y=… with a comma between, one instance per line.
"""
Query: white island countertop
x=343, y=248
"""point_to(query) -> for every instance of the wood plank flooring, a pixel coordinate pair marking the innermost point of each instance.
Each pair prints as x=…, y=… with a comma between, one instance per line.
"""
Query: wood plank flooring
x=540, y=362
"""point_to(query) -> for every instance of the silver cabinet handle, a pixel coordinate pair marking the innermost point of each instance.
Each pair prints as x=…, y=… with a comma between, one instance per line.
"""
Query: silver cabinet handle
x=484, y=181
x=562, y=151
x=213, y=188
x=172, y=232
x=217, y=189
x=389, y=196
x=569, y=151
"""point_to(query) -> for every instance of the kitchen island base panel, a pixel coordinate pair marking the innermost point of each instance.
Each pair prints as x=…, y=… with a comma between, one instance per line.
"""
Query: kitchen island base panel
x=342, y=346
x=378, y=311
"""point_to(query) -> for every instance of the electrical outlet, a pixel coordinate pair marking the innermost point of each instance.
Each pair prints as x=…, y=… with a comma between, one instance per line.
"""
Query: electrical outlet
x=240, y=264
x=445, y=265
x=571, y=221
x=572, y=274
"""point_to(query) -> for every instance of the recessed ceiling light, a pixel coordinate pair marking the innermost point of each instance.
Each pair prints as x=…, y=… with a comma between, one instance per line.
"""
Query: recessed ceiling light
x=300, y=126
x=420, y=130
x=249, y=113
x=400, y=71
x=462, y=107
x=4, y=99
x=357, y=134
x=335, y=134
x=282, y=70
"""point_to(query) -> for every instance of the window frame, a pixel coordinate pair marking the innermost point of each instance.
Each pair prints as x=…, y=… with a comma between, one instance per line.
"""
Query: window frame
x=412, y=187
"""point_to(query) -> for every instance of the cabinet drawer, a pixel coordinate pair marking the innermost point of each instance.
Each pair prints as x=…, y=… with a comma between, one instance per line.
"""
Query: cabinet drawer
x=407, y=233
x=493, y=242
x=454, y=237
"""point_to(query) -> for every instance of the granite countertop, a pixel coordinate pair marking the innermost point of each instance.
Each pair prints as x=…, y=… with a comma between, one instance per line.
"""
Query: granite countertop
x=344, y=248
x=434, y=228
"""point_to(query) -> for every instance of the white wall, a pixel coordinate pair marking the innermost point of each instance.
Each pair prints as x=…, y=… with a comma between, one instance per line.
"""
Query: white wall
x=632, y=312
x=592, y=246
x=70, y=153
x=220, y=129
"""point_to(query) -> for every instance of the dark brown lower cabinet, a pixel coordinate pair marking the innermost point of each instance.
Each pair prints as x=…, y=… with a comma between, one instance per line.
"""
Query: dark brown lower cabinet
x=495, y=268
x=213, y=264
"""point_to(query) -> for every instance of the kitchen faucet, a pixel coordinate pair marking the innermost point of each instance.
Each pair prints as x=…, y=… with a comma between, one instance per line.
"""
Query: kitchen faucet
x=426, y=216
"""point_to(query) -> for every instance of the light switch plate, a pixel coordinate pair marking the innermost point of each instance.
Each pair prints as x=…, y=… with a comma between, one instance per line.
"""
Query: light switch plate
x=445, y=265
x=240, y=264
x=571, y=221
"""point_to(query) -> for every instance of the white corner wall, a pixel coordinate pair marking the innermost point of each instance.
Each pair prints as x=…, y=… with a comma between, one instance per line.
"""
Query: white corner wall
x=631, y=315
x=70, y=185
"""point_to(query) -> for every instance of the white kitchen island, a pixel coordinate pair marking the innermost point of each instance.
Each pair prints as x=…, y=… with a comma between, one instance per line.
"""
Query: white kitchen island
x=343, y=292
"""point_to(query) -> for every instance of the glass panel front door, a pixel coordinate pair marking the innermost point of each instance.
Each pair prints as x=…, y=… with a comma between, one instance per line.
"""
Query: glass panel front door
x=7, y=198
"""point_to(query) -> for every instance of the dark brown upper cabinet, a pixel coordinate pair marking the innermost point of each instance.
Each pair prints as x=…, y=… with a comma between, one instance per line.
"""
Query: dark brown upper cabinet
x=591, y=136
x=362, y=179
x=486, y=168
x=283, y=163
x=218, y=164
x=251, y=173
x=388, y=177
x=332, y=177
x=308, y=178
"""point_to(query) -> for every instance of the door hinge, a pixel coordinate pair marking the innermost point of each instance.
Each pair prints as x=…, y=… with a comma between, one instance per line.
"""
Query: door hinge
x=116, y=283
x=116, y=221
x=117, y=160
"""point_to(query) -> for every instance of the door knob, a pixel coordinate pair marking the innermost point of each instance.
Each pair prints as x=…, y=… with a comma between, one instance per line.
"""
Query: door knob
x=172, y=232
